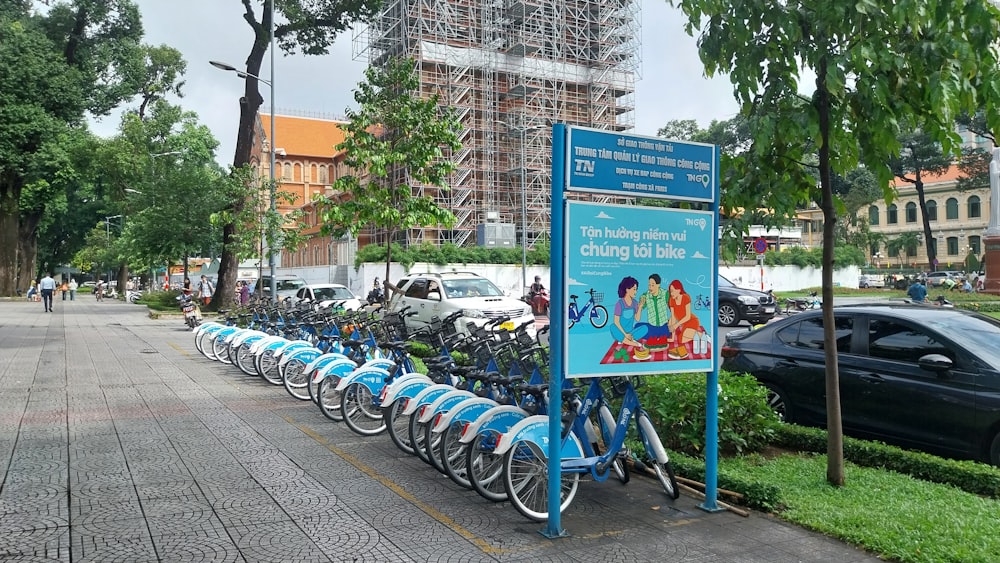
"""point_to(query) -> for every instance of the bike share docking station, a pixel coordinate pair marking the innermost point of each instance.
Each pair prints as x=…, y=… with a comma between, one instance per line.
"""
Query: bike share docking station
x=646, y=261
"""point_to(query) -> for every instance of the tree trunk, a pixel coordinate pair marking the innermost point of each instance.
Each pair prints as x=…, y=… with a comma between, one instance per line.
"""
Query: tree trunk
x=27, y=249
x=932, y=249
x=835, y=431
x=10, y=194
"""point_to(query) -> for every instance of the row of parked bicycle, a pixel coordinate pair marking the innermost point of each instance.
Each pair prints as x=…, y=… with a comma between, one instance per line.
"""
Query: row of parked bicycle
x=484, y=425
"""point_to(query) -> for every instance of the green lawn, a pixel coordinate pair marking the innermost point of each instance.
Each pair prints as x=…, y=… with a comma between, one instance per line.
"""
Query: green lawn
x=894, y=516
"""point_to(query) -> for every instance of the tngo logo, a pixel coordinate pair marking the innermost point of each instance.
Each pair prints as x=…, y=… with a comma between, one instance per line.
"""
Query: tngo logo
x=584, y=167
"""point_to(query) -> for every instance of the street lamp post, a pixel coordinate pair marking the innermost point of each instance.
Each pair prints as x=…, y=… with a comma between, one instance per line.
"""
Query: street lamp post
x=107, y=231
x=272, y=265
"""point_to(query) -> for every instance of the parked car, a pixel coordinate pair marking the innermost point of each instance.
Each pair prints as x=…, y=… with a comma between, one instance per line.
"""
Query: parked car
x=913, y=375
x=327, y=294
x=439, y=295
x=738, y=304
x=287, y=285
x=937, y=278
x=867, y=281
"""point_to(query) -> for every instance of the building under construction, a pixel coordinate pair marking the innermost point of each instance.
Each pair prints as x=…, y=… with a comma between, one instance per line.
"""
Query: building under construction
x=510, y=68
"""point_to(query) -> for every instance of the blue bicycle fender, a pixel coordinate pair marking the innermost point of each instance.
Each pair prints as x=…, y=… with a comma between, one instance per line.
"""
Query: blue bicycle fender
x=323, y=360
x=305, y=355
x=464, y=413
x=380, y=363
x=372, y=378
x=291, y=345
x=444, y=403
x=497, y=420
x=535, y=430
x=426, y=397
x=406, y=387
x=339, y=367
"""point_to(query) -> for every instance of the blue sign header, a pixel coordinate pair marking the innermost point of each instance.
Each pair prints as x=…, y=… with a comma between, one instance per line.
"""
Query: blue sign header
x=635, y=165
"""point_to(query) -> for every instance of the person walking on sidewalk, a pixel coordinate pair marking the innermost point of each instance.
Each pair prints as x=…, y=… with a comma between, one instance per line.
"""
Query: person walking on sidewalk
x=64, y=288
x=48, y=287
x=72, y=289
x=205, y=290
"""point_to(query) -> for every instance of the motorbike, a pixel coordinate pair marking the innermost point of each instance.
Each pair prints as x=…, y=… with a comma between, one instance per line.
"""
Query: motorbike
x=539, y=301
x=798, y=304
x=133, y=295
x=376, y=295
x=190, y=308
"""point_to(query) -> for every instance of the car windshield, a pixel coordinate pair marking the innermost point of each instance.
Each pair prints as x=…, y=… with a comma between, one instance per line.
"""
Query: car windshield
x=285, y=285
x=979, y=334
x=471, y=287
x=332, y=293
x=723, y=282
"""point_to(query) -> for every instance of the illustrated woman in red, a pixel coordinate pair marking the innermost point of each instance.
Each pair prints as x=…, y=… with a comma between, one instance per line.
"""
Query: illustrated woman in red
x=683, y=324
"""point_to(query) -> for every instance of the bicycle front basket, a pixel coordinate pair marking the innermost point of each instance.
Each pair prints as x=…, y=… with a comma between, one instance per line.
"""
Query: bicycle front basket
x=598, y=296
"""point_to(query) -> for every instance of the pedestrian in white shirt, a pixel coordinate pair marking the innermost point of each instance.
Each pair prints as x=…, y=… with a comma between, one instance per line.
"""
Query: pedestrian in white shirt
x=48, y=287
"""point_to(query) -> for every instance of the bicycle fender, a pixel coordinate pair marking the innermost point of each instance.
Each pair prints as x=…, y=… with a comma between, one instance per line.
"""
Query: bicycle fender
x=498, y=420
x=322, y=360
x=306, y=355
x=426, y=397
x=444, y=403
x=290, y=345
x=269, y=343
x=405, y=387
x=535, y=430
x=225, y=332
x=380, y=363
x=372, y=378
x=339, y=368
x=652, y=438
x=207, y=327
x=464, y=413
x=248, y=336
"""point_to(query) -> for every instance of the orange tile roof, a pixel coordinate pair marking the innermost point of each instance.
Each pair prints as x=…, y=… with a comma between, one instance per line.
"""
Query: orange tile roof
x=950, y=175
x=304, y=136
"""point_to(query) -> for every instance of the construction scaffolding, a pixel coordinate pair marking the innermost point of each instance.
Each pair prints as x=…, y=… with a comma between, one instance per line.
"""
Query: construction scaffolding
x=509, y=69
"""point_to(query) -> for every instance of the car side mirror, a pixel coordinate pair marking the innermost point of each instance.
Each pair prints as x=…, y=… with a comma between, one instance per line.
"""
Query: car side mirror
x=434, y=295
x=935, y=362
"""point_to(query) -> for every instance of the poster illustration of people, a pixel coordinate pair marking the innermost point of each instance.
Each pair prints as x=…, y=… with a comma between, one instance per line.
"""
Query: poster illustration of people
x=640, y=297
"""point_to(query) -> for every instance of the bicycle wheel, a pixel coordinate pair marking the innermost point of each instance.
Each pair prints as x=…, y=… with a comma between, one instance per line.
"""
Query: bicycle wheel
x=397, y=425
x=526, y=480
x=417, y=435
x=313, y=388
x=432, y=443
x=329, y=398
x=607, y=423
x=244, y=360
x=362, y=415
x=665, y=473
x=201, y=340
x=599, y=316
x=452, y=454
x=484, y=469
x=220, y=349
x=267, y=367
x=296, y=379
x=231, y=351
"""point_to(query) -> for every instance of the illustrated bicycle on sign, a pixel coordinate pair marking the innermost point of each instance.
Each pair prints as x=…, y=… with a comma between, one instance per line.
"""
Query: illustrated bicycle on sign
x=598, y=314
x=702, y=303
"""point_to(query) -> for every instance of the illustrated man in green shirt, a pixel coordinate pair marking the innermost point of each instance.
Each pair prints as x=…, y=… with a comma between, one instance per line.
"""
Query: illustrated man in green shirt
x=654, y=302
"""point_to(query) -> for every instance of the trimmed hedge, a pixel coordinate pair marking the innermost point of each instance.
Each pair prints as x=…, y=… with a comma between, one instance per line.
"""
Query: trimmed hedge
x=756, y=494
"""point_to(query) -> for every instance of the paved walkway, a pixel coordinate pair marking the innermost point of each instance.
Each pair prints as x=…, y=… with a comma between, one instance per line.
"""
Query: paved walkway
x=119, y=442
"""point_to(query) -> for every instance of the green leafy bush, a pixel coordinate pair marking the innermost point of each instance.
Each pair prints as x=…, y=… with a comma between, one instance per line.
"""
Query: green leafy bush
x=758, y=495
x=449, y=253
x=676, y=403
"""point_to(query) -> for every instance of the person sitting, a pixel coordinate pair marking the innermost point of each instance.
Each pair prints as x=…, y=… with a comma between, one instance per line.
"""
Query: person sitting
x=966, y=286
x=917, y=292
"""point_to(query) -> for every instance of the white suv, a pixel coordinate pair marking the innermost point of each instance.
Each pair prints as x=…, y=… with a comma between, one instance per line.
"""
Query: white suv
x=439, y=295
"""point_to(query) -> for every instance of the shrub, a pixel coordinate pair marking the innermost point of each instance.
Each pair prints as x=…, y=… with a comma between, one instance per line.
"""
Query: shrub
x=676, y=403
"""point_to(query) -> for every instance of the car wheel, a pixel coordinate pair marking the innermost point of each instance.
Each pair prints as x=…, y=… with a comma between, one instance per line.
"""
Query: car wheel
x=729, y=315
x=995, y=451
x=777, y=400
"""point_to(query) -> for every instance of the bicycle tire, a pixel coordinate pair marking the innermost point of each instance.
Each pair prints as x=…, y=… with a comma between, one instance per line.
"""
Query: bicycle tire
x=220, y=350
x=432, y=443
x=397, y=425
x=417, y=435
x=452, y=454
x=665, y=474
x=244, y=360
x=231, y=352
x=313, y=390
x=484, y=469
x=599, y=316
x=329, y=398
x=525, y=478
x=607, y=422
x=267, y=367
x=361, y=414
x=296, y=379
x=199, y=341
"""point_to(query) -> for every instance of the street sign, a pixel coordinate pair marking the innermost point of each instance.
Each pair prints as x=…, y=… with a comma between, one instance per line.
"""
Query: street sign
x=760, y=245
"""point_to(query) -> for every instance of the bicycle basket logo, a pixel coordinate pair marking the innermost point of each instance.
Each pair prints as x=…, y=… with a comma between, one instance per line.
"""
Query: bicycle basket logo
x=584, y=167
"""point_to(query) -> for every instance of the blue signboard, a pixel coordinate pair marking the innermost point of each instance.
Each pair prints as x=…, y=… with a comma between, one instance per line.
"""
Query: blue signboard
x=633, y=165
x=642, y=281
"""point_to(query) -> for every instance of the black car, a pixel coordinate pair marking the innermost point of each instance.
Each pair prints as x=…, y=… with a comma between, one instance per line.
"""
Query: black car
x=917, y=376
x=738, y=304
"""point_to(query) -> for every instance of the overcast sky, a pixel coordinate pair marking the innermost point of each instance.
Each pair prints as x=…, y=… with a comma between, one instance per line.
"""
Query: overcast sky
x=672, y=85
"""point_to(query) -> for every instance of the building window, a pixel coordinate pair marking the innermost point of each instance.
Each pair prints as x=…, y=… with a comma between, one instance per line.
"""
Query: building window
x=951, y=209
x=891, y=216
x=911, y=251
x=952, y=246
x=911, y=212
x=287, y=174
x=974, y=245
x=931, y=210
x=312, y=174
x=975, y=207
x=873, y=215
